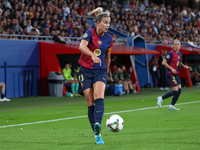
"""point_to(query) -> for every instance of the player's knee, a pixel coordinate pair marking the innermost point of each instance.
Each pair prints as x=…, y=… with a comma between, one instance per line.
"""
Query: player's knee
x=2, y=85
x=175, y=93
x=98, y=95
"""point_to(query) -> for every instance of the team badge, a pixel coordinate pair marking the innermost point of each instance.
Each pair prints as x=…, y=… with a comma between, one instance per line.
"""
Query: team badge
x=97, y=52
x=81, y=84
x=85, y=35
x=168, y=56
x=99, y=42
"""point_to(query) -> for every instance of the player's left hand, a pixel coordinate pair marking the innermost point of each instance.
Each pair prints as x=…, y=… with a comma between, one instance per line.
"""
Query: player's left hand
x=189, y=68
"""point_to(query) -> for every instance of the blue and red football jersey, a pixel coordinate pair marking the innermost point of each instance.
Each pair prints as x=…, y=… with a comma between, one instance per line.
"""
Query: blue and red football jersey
x=174, y=60
x=98, y=45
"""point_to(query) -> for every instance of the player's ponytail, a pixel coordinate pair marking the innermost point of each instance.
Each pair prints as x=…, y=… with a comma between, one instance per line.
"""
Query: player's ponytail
x=99, y=14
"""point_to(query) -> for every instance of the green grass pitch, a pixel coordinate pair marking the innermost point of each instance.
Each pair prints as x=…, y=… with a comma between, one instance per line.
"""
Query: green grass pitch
x=51, y=123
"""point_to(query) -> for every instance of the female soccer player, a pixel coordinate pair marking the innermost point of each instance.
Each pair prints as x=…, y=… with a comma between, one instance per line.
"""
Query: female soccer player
x=95, y=61
x=172, y=62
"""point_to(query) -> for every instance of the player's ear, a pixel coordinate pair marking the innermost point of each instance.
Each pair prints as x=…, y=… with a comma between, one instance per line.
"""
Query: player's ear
x=98, y=22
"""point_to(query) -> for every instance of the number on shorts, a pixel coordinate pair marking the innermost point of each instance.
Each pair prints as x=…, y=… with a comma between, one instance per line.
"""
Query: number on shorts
x=173, y=79
x=81, y=78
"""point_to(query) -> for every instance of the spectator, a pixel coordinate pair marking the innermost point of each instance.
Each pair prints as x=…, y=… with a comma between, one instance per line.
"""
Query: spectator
x=35, y=26
x=29, y=26
x=53, y=25
x=65, y=8
x=15, y=26
x=46, y=32
x=80, y=10
x=62, y=36
x=33, y=33
x=36, y=18
x=153, y=67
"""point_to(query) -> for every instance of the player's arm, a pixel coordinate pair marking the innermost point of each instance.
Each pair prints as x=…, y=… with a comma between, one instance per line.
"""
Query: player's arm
x=164, y=63
x=107, y=59
x=185, y=67
x=84, y=49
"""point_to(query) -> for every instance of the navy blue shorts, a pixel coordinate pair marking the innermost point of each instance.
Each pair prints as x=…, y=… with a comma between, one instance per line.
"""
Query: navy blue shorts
x=173, y=80
x=88, y=77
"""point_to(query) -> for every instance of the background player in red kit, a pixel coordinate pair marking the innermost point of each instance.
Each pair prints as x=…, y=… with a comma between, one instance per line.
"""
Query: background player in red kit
x=172, y=62
x=95, y=61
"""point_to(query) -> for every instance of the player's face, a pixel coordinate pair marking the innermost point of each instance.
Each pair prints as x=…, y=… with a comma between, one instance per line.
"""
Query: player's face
x=105, y=24
x=67, y=66
x=176, y=45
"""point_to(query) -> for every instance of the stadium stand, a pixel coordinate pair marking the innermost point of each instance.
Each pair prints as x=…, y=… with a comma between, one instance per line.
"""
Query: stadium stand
x=157, y=24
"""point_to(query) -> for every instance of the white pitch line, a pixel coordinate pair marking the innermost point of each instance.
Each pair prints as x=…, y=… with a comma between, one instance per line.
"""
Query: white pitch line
x=77, y=117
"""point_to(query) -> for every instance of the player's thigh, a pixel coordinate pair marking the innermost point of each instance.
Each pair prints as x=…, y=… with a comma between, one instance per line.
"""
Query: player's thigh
x=85, y=78
x=89, y=96
x=99, y=89
x=178, y=81
x=99, y=82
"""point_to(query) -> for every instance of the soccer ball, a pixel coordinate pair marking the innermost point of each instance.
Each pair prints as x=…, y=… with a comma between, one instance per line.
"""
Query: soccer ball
x=115, y=123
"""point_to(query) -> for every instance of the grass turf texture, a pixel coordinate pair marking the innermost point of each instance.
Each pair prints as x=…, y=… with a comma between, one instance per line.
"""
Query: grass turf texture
x=150, y=129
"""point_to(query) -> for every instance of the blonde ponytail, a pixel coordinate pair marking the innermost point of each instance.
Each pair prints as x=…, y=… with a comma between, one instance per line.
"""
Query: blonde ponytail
x=99, y=14
x=97, y=11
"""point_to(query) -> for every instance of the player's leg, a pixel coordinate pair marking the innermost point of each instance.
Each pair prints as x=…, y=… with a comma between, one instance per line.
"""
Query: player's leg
x=85, y=80
x=99, y=89
x=90, y=103
x=72, y=82
x=168, y=94
x=77, y=87
x=125, y=86
x=99, y=85
x=130, y=85
x=3, y=88
x=177, y=92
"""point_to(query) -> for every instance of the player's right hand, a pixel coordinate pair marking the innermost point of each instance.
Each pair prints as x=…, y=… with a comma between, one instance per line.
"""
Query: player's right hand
x=173, y=71
x=96, y=59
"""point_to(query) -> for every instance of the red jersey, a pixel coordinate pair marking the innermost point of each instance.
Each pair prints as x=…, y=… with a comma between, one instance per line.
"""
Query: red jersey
x=99, y=45
x=174, y=60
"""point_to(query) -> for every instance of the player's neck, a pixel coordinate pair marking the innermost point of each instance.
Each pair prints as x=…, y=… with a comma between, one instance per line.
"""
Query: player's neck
x=99, y=32
x=176, y=51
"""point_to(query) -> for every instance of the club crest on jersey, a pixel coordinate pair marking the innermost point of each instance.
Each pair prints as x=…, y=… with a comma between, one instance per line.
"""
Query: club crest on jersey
x=85, y=35
x=99, y=42
x=168, y=56
x=97, y=52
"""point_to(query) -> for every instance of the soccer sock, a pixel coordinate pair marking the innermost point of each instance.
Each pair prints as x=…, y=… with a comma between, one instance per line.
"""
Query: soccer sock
x=76, y=87
x=99, y=110
x=73, y=87
x=2, y=96
x=179, y=92
x=167, y=95
x=175, y=98
x=91, y=116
